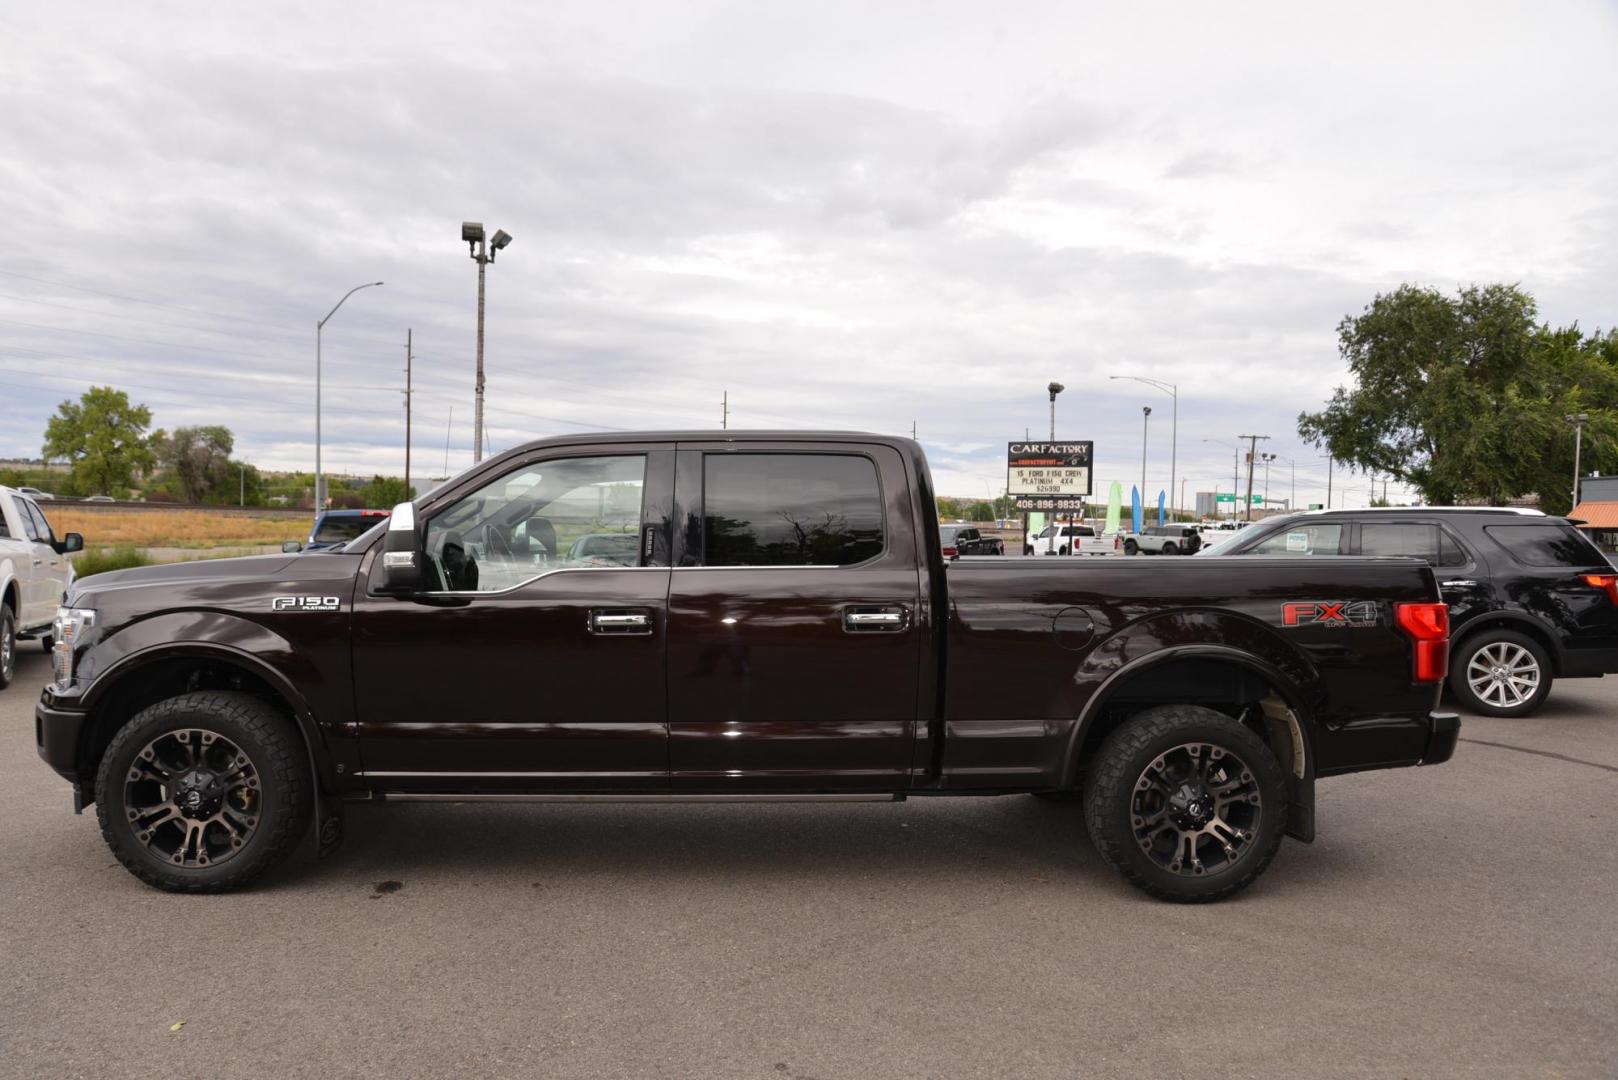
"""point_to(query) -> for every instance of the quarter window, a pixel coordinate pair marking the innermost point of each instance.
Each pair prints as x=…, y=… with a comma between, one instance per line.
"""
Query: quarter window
x=549, y=515
x=1546, y=545
x=790, y=510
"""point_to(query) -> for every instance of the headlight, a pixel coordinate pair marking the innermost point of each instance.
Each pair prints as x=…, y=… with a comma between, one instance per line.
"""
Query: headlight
x=68, y=627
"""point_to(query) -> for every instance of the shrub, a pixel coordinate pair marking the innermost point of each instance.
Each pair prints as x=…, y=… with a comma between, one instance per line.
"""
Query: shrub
x=100, y=560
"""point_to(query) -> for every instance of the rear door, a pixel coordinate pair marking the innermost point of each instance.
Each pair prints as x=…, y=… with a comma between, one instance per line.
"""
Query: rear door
x=794, y=647
x=1462, y=578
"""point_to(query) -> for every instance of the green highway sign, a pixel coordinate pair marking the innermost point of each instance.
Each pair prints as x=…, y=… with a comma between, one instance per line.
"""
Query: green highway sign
x=1317, y=506
x=1224, y=496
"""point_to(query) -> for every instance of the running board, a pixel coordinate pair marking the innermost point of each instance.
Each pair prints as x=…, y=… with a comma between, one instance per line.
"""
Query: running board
x=451, y=797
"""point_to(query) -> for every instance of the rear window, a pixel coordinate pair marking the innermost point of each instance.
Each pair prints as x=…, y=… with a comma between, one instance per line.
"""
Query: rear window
x=790, y=510
x=340, y=530
x=1419, y=540
x=1546, y=545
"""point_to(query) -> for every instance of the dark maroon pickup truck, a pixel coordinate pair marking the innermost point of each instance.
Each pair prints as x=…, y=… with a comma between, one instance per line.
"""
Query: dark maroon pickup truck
x=731, y=615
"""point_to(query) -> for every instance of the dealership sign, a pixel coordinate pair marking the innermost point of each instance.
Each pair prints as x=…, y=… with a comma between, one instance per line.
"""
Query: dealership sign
x=1049, y=475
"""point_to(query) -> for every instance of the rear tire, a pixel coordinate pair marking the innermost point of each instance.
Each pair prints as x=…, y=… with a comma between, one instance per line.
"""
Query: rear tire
x=1062, y=550
x=1027, y=549
x=1170, y=549
x=1501, y=673
x=245, y=764
x=47, y=642
x=1186, y=803
x=8, y=646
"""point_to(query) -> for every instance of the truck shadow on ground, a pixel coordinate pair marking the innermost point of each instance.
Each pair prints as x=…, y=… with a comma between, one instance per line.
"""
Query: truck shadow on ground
x=994, y=837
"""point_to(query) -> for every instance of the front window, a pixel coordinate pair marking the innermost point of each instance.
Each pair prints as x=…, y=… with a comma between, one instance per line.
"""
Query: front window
x=1317, y=539
x=29, y=526
x=549, y=515
x=790, y=510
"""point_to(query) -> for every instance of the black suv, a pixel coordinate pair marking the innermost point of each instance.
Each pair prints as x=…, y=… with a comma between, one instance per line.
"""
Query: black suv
x=961, y=540
x=1531, y=599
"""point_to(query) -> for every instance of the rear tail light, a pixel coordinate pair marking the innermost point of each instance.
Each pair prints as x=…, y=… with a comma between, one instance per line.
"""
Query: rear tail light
x=1607, y=583
x=1428, y=628
x=949, y=552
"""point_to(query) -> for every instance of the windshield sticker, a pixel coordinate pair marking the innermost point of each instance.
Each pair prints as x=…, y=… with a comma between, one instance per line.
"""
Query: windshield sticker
x=304, y=603
x=1329, y=613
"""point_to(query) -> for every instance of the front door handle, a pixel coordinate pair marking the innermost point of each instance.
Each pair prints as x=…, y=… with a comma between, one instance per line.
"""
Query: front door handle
x=875, y=619
x=620, y=621
x=1456, y=584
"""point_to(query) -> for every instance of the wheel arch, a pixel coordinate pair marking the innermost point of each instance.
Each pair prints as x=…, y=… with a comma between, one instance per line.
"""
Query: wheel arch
x=1511, y=620
x=1259, y=693
x=156, y=674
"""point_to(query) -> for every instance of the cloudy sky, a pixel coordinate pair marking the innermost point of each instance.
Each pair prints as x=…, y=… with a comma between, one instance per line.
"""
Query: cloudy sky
x=852, y=215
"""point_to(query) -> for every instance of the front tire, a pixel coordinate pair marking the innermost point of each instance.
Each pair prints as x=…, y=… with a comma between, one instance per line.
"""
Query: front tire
x=204, y=792
x=1131, y=548
x=1027, y=549
x=1186, y=803
x=8, y=646
x=1501, y=673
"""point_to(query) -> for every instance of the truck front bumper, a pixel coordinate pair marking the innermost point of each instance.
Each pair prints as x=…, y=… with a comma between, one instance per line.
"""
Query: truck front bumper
x=56, y=731
x=1444, y=730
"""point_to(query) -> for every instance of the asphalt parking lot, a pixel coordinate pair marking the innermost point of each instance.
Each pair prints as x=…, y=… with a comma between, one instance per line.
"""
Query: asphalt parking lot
x=1454, y=921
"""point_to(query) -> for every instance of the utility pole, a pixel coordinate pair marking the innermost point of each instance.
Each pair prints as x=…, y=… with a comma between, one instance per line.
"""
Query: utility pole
x=724, y=411
x=409, y=363
x=1252, y=450
x=243, y=497
x=447, y=428
x=1328, y=481
x=1578, y=420
x=912, y=431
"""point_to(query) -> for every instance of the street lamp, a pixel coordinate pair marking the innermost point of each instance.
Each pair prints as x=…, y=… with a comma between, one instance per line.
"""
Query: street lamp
x=1172, y=391
x=1145, y=420
x=320, y=477
x=1268, y=457
x=482, y=252
x=1054, y=389
x=1578, y=420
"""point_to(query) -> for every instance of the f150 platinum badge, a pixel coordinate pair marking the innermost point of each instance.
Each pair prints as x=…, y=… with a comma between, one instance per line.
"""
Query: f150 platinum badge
x=1329, y=613
x=304, y=603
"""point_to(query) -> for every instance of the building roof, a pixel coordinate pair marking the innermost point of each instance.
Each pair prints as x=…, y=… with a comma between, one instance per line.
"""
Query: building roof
x=1591, y=514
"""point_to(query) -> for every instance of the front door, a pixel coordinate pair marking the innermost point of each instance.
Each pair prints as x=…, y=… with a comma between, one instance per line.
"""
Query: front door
x=533, y=659
x=795, y=626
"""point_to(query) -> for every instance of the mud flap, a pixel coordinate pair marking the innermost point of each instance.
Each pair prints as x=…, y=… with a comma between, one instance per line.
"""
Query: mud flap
x=1301, y=808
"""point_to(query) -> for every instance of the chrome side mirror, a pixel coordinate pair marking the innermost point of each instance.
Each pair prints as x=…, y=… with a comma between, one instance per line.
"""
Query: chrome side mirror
x=401, y=551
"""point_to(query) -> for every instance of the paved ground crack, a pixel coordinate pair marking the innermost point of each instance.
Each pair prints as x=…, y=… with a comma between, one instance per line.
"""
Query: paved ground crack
x=1543, y=753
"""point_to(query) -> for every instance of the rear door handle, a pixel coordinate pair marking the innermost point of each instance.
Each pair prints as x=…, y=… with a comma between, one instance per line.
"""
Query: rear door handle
x=875, y=619
x=1456, y=584
x=620, y=621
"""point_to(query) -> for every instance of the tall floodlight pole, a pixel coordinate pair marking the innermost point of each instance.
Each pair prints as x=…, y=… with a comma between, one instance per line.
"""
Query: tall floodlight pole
x=483, y=252
x=1054, y=389
x=1172, y=391
x=1145, y=423
x=1578, y=420
x=320, y=477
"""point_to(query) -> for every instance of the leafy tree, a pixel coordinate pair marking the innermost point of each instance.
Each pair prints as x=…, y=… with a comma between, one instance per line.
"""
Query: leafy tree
x=980, y=511
x=386, y=492
x=103, y=438
x=1463, y=396
x=199, y=459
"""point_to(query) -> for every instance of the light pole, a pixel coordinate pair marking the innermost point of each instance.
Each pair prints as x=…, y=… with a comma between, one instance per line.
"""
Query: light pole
x=1172, y=391
x=320, y=477
x=1145, y=421
x=1054, y=389
x=1578, y=420
x=1268, y=457
x=483, y=252
x=1235, y=473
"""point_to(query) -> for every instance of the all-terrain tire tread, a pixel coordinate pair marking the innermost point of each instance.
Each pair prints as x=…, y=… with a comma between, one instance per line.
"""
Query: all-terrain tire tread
x=285, y=766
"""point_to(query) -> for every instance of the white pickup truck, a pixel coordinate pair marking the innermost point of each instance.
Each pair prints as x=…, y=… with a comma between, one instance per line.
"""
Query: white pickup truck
x=1069, y=539
x=34, y=573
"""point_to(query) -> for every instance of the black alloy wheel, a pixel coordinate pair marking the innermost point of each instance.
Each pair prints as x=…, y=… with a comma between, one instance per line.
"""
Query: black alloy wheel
x=204, y=792
x=1187, y=803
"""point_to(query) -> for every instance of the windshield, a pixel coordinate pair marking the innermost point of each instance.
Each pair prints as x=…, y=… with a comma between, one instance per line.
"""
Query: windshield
x=340, y=530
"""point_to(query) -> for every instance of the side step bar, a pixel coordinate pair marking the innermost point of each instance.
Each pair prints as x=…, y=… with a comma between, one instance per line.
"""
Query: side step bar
x=451, y=797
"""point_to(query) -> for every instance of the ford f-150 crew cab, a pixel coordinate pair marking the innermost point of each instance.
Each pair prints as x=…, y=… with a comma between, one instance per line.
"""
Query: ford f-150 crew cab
x=783, y=626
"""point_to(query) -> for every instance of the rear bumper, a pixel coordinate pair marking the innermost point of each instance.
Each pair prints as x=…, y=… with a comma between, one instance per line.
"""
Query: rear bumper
x=1588, y=663
x=1444, y=731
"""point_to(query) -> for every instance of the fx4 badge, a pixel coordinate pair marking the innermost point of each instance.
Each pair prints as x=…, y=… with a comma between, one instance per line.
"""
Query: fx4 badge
x=1329, y=613
x=304, y=603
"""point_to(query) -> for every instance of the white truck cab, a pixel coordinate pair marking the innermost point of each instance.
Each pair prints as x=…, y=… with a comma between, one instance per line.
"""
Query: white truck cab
x=34, y=573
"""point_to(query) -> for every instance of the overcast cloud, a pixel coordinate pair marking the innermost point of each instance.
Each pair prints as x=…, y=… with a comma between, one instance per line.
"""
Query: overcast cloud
x=846, y=215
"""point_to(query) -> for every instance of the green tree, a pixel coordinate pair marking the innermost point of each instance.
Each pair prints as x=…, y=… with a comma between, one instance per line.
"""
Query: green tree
x=386, y=492
x=199, y=460
x=103, y=438
x=1463, y=396
x=980, y=511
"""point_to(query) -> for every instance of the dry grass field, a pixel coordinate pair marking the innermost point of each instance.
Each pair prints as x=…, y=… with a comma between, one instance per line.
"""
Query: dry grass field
x=177, y=528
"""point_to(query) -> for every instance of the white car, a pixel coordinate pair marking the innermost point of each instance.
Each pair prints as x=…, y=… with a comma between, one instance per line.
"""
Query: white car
x=1072, y=539
x=34, y=573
